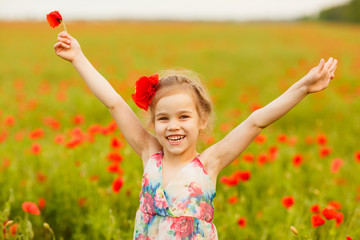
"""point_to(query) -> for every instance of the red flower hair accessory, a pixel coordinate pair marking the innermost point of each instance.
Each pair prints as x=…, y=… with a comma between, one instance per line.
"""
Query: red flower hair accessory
x=145, y=90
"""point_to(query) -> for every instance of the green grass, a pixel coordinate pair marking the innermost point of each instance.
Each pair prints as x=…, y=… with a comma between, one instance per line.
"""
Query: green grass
x=242, y=65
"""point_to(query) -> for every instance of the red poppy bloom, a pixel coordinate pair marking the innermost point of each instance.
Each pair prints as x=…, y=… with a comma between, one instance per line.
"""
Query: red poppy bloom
x=339, y=219
x=297, y=160
x=233, y=200
x=13, y=229
x=241, y=222
x=273, y=152
x=288, y=201
x=114, y=168
x=95, y=128
x=42, y=203
x=116, y=143
x=262, y=158
x=282, y=138
x=321, y=139
x=255, y=107
x=336, y=165
x=30, y=207
x=317, y=220
x=248, y=157
x=315, y=208
x=348, y=238
x=325, y=151
x=260, y=139
x=36, y=148
x=3, y=136
x=309, y=140
x=9, y=120
x=335, y=205
x=242, y=175
x=59, y=139
x=145, y=90
x=357, y=156
x=54, y=19
x=36, y=134
x=51, y=122
x=230, y=181
x=78, y=119
x=329, y=213
x=117, y=184
x=114, y=157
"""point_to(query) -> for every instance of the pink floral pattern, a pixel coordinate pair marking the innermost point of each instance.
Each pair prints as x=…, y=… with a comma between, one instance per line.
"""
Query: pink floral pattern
x=181, y=210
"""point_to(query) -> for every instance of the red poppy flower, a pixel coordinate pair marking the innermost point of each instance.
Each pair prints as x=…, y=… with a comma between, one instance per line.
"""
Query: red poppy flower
x=232, y=199
x=9, y=120
x=36, y=134
x=325, y=151
x=336, y=165
x=288, y=201
x=297, y=160
x=114, y=157
x=117, y=184
x=13, y=229
x=42, y=203
x=114, y=168
x=321, y=139
x=248, y=157
x=116, y=143
x=241, y=222
x=30, y=207
x=54, y=19
x=282, y=138
x=317, y=220
x=348, y=238
x=260, y=139
x=273, y=152
x=315, y=208
x=78, y=119
x=145, y=90
x=329, y=213
x=339, y=219
x=357, y=156
x=262, y=158
x=36, y=148
x=335, y=205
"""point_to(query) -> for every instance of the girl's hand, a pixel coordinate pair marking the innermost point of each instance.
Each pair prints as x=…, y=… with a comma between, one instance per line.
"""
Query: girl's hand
x=67, y=47
x=319, y=77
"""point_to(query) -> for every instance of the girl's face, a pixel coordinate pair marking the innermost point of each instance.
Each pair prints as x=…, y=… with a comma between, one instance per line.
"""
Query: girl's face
x=177, y=123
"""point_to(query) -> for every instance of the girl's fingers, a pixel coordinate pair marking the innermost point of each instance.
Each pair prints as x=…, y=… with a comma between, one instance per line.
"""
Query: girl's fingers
x=321, y=64
x=333, y=66
x=329, y=63
x=64, y=40
x=61, y=44
x=65, y=35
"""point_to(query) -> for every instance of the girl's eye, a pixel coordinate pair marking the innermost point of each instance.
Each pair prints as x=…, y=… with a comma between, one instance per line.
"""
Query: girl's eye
x=184, y=117
x=162, y=118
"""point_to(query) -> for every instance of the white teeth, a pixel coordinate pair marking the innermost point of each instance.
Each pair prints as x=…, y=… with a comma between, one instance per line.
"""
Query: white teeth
x=175, y=138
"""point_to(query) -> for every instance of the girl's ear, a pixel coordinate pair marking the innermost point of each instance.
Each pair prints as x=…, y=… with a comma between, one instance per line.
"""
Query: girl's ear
x=203, y=123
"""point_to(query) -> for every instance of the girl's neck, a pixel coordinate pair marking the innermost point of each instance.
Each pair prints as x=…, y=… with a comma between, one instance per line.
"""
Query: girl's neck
x=180, y=158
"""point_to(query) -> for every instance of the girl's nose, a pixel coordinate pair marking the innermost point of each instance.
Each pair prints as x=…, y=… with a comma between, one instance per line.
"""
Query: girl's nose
x=173, y=125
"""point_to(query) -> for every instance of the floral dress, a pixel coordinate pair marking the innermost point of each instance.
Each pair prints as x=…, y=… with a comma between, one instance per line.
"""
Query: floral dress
x=181, y=210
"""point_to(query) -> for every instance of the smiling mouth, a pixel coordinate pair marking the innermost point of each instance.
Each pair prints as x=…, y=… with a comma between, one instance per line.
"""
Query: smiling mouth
x=175, y=139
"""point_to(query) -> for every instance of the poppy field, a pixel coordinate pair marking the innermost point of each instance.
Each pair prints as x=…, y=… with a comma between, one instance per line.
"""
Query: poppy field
x=66, y=171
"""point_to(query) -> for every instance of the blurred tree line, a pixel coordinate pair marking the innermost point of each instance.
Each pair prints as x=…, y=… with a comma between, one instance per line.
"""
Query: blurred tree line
x=349, y=12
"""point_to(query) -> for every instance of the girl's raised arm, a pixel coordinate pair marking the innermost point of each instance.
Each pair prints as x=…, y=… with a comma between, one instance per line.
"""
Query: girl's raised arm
x=143, y=142
x=231, y=146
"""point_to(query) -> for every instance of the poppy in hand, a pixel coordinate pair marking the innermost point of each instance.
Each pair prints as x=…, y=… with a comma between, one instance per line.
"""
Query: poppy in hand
x=54, y=19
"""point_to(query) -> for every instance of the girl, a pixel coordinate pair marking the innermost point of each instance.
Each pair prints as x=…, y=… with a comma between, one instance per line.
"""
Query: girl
x=179, y=183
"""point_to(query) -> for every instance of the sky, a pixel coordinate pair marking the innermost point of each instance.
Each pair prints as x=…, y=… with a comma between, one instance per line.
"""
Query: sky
x=216, y=10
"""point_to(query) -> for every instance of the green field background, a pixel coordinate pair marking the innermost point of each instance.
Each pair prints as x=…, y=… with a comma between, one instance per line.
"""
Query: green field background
x=242, y=65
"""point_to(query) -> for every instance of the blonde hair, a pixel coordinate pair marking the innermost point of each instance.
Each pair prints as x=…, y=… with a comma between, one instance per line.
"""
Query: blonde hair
x=191, y=82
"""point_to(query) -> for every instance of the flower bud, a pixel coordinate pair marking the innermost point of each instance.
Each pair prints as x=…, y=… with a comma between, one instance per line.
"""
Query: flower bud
x=294, y=230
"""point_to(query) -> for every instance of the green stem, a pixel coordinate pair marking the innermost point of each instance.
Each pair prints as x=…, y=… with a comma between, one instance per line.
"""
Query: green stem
x=64, y=26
